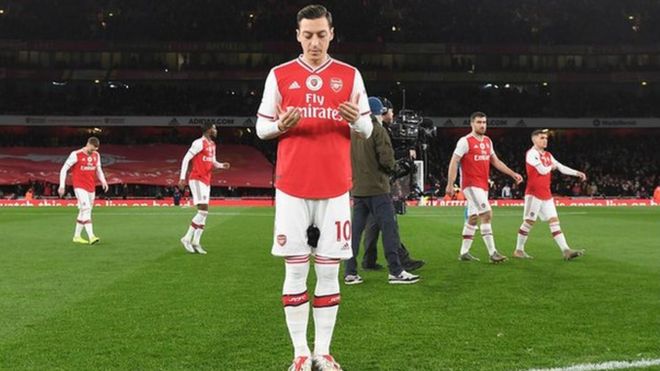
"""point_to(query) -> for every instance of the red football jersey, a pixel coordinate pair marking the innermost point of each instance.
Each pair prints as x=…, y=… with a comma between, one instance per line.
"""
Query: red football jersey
x=313, y=158
x=83, y=169
x=538, y=182
x=475, y=161
x=202, y=162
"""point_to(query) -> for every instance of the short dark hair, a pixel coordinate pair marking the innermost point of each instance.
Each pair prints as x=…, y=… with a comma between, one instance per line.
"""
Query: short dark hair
x=94, y=141
x=314, y=12
x=539, y=131
x=206, y=126
x=474, y=115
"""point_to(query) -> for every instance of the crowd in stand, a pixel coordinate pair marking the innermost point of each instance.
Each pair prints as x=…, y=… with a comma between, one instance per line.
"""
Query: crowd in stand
x=536, y=100
x=481, y=22
x=542, y=22
x=453, y=100
x=44, y=190
x=136, y=99
x=618, y=165
x=618, y=162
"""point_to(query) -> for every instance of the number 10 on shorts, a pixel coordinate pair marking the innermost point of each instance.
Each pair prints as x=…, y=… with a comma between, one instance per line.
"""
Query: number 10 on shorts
x=343, y=230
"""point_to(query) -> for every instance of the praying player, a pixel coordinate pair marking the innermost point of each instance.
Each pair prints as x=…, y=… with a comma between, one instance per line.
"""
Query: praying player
x=538, y=198
x=86, y=167
x=311, y=104
x=202, y=154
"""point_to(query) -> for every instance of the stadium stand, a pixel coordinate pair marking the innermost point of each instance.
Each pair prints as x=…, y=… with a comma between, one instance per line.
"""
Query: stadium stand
x=111, y=58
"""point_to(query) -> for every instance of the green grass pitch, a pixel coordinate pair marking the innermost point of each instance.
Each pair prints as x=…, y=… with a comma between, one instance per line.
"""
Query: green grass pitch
x=137, y=301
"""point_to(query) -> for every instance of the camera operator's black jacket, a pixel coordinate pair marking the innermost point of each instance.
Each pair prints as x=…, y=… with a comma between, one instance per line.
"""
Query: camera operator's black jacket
x=373, y=162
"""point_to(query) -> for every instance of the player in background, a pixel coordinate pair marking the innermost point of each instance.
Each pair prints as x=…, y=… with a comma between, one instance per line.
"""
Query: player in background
x=475, y=153
x=202, y=154
x=538, y=198
x=86, y=167
x=311, y=104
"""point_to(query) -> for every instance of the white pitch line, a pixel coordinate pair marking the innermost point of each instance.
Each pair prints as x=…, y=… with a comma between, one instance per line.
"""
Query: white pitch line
x=611, y=365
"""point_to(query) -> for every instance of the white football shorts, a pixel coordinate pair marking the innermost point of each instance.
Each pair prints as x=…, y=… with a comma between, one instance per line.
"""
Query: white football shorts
x=294, y=215
x=477, y=200
x=200, y=192
x=85, y=199
x=537, y=208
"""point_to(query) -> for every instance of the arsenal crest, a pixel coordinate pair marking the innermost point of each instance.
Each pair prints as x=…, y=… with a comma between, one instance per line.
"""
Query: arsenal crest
x=314, y=82
x=336, y=84
x=281, y=239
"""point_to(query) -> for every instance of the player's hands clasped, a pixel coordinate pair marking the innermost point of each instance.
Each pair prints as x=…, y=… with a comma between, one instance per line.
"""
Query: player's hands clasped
x=287, y=118
x=349, y=110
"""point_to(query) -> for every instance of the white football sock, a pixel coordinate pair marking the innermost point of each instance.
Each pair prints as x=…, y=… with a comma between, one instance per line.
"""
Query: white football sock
x=87, y=221
x=523, y=232
x=326, y=303
x=199, y=221
x=487, y=235
x=190, y=233
x=79, y=225
x=558, y=236
x=468, y=237
x=296, y=302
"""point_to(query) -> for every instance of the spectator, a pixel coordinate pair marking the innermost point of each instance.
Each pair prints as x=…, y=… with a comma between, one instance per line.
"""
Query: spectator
x=506, y=191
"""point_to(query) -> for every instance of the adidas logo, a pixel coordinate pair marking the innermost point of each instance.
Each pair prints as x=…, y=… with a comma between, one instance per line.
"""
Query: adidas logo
x=294, y=85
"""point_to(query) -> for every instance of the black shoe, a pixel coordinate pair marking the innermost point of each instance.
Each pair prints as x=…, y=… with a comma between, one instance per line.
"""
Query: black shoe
x=370, y=267
x=412, y=264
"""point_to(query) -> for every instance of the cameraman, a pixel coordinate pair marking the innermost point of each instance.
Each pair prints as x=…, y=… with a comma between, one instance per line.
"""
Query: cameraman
x=372, y=230
x=373, y=163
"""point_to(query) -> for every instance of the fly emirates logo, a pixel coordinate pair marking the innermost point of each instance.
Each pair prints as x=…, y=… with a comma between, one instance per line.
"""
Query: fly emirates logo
x=315, y=108
x=484, y=148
